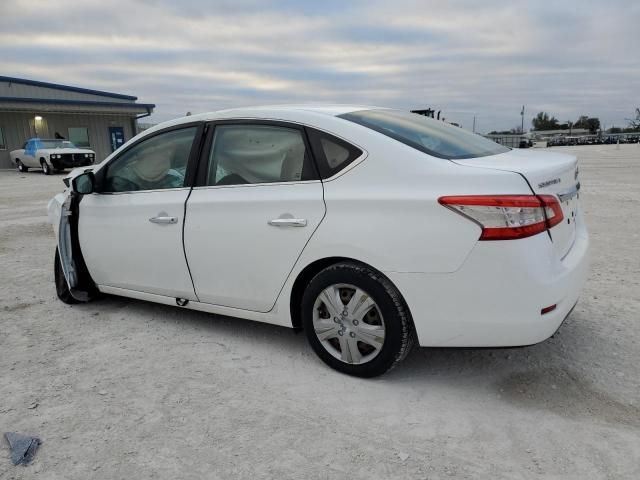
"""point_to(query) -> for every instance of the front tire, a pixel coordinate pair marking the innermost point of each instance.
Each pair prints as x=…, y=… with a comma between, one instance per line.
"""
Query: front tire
x=356, y=320
x=62, y=288
x=20, y=166
x=46, y=169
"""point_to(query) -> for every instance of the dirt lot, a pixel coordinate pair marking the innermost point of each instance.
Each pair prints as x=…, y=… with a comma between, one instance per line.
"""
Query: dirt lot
x=121, y=389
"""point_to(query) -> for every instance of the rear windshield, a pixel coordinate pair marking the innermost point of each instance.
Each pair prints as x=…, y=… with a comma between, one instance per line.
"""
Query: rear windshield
x=426, y=134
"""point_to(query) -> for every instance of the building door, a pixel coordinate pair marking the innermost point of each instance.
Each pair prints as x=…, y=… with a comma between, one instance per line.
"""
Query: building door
x=116, y=136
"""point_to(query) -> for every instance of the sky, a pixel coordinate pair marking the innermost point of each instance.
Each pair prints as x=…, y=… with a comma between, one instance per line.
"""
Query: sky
x=467, y=58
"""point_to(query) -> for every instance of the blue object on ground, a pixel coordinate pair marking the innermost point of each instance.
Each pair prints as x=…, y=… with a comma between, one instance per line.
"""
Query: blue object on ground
x=23, y=447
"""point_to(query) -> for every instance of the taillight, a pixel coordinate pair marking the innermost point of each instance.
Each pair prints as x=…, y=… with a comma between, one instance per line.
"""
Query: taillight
x=507, y=217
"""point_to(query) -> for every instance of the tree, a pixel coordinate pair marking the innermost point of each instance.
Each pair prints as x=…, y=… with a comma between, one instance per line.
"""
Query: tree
x=542, y=121
x=593, y=125
x=582, y=122
x=634, y=123
x=590, y=123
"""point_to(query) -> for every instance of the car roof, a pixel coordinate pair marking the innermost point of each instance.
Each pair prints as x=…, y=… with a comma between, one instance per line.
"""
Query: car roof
x=331, y=109
x=284, y=112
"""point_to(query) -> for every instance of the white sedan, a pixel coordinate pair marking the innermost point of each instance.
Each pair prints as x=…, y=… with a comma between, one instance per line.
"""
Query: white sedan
x=372, y=229
x=50, y=155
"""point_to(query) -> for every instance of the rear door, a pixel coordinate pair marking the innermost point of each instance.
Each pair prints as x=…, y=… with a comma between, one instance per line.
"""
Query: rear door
x=257, y=203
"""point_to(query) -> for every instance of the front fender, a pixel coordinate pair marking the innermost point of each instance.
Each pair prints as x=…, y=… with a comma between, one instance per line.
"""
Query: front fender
x=63, y=214
x=54, y=210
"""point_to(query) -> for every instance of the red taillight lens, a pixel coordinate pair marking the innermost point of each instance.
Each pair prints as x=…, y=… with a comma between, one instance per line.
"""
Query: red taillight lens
x=507, y=217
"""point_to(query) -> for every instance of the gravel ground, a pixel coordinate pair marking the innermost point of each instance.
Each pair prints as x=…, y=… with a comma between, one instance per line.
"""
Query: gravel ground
x=121, y=389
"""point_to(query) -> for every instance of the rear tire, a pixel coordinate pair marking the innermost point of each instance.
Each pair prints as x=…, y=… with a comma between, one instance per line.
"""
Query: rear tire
x=46, y=169
x=62, y=288
x=20, y=166
x=356, y=320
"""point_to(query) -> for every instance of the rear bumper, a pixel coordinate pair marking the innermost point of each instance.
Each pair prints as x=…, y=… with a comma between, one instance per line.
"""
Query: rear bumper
x=495, y=299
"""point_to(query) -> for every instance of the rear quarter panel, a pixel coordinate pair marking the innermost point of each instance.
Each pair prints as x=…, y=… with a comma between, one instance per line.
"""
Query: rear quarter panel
x=385, y=211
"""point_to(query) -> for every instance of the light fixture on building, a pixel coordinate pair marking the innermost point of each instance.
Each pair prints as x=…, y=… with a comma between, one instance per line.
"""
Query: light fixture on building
x=37, y=118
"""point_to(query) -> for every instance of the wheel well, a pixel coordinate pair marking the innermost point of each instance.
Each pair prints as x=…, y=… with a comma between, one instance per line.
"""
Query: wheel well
x=42, y=159
x=305, y=276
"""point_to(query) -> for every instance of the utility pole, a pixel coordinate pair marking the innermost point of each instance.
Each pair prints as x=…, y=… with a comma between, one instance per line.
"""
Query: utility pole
x=474, y=124
x=522, y=123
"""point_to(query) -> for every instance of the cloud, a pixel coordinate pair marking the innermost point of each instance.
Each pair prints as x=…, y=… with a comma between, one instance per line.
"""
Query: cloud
x=467, y=58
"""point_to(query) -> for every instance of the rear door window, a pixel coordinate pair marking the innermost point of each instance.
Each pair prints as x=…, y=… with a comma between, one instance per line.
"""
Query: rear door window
x=250, y=154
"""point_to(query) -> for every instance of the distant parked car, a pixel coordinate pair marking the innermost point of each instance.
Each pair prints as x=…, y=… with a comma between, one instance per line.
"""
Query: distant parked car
x=51, y=155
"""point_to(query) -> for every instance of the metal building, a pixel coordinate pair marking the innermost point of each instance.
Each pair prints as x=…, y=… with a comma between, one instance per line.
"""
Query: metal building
x=101, y=121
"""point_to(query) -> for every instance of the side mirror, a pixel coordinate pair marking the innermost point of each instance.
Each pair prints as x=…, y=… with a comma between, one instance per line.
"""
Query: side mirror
x=84, y=183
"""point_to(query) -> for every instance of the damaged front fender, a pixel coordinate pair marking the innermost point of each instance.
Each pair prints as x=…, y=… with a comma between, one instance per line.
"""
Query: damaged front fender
x=63, y=212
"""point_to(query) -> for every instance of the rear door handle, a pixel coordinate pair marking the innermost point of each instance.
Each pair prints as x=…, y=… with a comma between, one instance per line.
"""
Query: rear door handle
x=288, y=222
x=164, y=220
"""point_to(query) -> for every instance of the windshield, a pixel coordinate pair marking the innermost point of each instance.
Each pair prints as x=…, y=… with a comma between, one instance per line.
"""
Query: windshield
x=426, y=134
x=56, y=144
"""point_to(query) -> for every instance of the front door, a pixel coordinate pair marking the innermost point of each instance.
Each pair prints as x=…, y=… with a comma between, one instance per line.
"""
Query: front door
x=116, y=137
x=131, y=231
x=258, y=203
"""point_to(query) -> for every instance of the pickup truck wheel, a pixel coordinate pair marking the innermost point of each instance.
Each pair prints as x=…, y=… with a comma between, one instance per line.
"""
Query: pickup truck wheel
x=46, y=169
x=20, y=166
x=62, y=289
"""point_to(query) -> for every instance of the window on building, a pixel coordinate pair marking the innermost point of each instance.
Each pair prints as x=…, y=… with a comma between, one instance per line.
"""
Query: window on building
x=79, y=136
x=3, y=143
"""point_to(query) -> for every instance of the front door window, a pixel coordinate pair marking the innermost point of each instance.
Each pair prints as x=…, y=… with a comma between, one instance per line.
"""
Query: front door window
x=157, y=163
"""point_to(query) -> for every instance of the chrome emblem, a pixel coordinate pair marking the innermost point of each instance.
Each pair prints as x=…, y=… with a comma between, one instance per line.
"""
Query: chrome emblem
x=547, y=183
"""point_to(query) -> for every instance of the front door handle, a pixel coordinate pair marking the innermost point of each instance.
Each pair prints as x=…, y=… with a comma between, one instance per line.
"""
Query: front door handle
x=164, y=220
x=288, y=222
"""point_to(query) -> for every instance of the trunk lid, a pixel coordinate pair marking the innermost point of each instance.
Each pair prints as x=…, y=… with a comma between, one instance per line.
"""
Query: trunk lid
x=548, y=173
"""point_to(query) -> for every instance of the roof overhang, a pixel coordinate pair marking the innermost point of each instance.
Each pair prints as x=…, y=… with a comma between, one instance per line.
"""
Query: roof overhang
x=18, y=104
x=66, y=88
